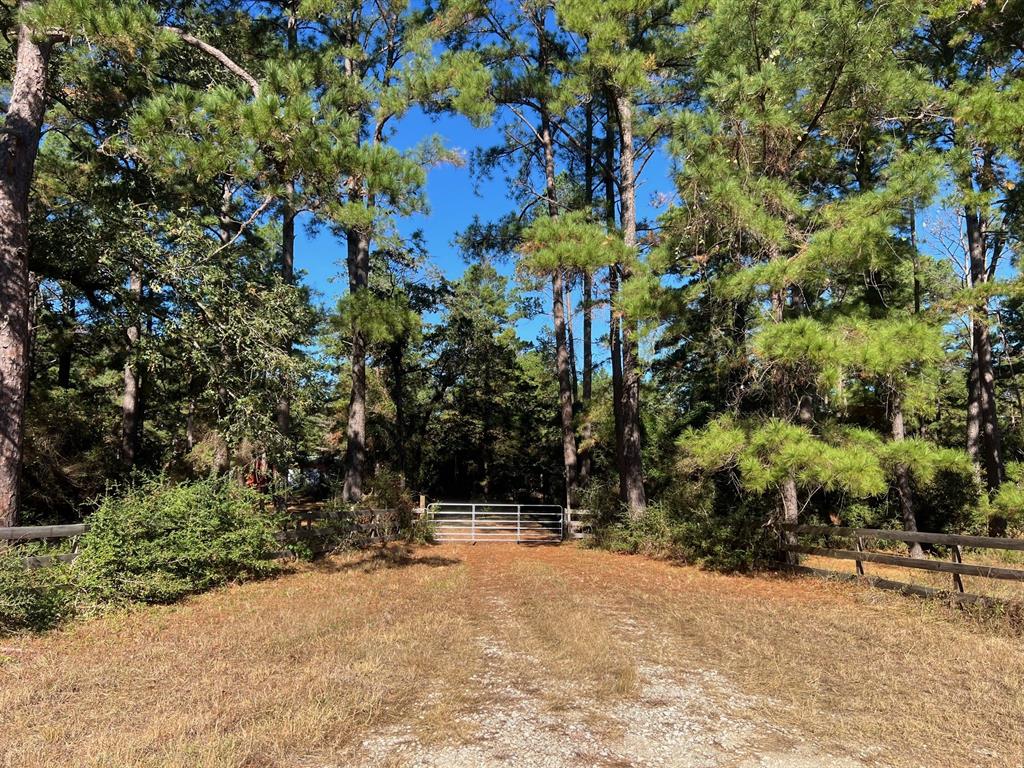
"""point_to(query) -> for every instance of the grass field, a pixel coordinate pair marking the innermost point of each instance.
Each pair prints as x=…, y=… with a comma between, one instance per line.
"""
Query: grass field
x=997, y=588
x=497, y=655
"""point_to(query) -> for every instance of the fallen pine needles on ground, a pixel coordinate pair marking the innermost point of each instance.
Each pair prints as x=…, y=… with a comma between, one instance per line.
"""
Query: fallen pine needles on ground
x=429, y=645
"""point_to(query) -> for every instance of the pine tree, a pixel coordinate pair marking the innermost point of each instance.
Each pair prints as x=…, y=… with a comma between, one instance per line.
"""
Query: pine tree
x=46, y=29
x=386, y=67
x=631, y=58
x=529, y=56
x=972, y=57
x=793, y=201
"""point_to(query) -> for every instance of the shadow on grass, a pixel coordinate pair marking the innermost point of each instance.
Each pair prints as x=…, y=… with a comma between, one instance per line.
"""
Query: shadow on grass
x=386, y=557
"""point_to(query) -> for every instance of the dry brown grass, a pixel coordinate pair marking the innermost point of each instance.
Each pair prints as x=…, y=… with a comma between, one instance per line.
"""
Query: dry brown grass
x=565, y=636
x=978, y=585
x=297, y=670
x=248, y=676
x=847, y=665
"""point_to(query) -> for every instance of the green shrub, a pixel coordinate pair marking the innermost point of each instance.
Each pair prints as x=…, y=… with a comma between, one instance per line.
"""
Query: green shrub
x=422, y=531
x=34, y=599
x=388, y=491
x=601, y=500
x=728, y=537
x=699, y=521
x=650, y=533
x=160, y=541
x=1008, y=502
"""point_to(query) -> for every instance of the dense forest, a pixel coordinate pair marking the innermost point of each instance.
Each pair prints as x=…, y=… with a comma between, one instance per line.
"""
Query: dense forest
x=821, y=319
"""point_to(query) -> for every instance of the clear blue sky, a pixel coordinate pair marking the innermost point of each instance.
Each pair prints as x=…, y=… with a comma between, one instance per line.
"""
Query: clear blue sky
x=453, y=204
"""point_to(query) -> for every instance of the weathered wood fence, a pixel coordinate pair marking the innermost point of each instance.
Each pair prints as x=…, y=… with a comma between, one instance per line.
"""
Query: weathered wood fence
x=45, y=534
x=323, y=529
x=857, y=551
x=316, y=530
x=579, y=524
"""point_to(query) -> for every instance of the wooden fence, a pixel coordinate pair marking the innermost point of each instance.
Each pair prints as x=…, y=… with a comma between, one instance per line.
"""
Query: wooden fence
x=579, y=524
x=859, y=554
x=46, y=534
x=316, y=530
x=321, y=529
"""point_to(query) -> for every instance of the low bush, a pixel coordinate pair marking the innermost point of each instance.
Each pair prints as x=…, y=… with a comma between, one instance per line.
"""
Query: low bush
x=159, y=541
x=422, y=531
x=344, y=526
x=698, y=521
x=651, y=533
x=33, y=599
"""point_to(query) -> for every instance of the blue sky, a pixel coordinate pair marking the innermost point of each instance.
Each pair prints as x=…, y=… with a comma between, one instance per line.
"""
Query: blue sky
x=453, y=204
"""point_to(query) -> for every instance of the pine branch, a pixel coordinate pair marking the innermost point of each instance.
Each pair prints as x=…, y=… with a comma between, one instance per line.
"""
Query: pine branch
x=219, y=55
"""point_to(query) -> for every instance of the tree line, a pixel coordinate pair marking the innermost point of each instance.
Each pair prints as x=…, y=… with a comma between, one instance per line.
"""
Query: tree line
x=817, y=316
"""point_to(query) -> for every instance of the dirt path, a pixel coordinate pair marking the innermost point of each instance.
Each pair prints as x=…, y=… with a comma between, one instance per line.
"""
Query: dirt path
x=573, y=681
x=502, y=656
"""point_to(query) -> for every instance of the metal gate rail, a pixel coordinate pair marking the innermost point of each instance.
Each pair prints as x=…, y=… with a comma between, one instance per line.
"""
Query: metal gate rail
x=472, y=522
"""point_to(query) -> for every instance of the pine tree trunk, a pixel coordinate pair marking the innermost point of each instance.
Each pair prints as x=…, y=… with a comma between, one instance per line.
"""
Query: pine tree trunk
x=19, y=145
x=615, y=351
x=614, y=336
x=34, y=307
x=974, y=410
x=586, y=428
x=991, y=441
x=789, y=500
x=982, y=414
x=132, y=400
x=283, y=414
x=636, y=500
x=355, y=432
x=562, y=361
x=916, y=259
x=790, y=515
x=632, y=460
x=564, y=389
x=570, y=336
x=903, y=490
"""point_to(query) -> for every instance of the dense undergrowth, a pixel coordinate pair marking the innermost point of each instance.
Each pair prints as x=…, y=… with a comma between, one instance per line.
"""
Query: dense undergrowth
x=158, y=540
x=710, y=520
x=692, y=523
x=153, y=542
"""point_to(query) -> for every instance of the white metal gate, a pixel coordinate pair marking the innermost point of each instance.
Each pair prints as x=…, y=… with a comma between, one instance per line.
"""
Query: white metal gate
x=473, y=522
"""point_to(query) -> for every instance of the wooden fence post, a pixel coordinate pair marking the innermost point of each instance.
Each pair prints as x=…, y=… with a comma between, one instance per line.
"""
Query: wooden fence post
x=958, y=557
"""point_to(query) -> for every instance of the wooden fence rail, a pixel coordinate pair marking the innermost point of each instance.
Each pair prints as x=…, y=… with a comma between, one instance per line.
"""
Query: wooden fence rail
x=40, y=532
x=44, y=533
x=955, y=566
x=948, y=539
x=368, y=525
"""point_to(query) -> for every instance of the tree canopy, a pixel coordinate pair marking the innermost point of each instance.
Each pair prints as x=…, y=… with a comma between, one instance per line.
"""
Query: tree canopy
x=819, y=316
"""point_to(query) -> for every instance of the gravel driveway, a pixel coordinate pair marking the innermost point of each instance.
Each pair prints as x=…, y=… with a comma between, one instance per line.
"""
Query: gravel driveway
x=497, y=655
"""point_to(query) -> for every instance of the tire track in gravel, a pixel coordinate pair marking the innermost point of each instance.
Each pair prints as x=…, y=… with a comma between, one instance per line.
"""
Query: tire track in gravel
x=531, y=712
